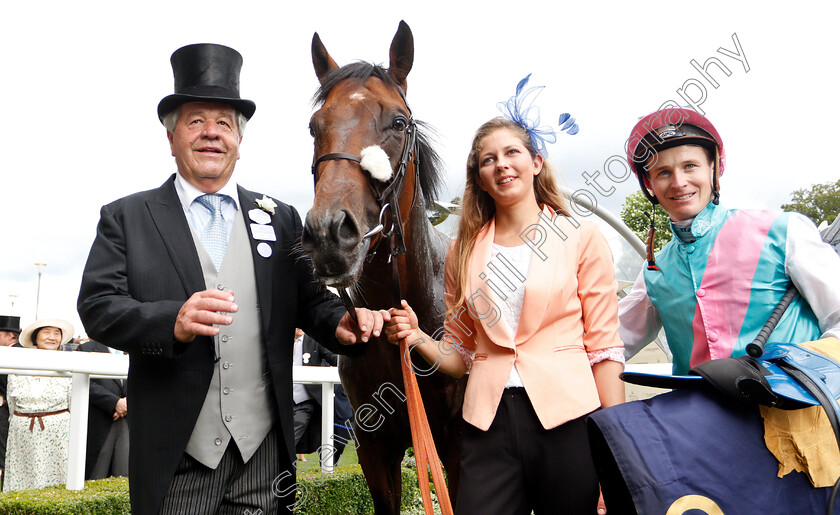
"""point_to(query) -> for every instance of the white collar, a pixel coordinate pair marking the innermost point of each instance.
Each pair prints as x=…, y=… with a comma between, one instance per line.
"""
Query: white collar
x=187, y=193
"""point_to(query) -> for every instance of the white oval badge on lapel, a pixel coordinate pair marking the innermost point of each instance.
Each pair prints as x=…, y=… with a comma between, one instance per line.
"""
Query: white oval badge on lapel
x=259, y=216
x=264, y=250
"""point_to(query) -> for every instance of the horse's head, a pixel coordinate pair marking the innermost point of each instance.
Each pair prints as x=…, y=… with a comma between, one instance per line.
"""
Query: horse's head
x=361, y=106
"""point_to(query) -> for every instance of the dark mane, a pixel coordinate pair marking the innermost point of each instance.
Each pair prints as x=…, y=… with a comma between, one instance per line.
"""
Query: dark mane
x=429, y=162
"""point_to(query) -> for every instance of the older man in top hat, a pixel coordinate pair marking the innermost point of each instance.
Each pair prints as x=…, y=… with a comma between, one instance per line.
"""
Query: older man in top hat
x=199, y=281
x=9, y=334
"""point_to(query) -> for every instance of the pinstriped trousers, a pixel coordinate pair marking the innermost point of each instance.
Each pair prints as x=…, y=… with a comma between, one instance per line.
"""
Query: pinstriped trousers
x=265, y=485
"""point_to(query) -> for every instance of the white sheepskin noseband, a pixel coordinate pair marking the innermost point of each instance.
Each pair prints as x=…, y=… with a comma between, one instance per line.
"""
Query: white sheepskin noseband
x=377, y=163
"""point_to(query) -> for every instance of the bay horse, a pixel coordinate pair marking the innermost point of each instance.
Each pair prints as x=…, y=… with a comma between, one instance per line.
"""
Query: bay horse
x=346, y=235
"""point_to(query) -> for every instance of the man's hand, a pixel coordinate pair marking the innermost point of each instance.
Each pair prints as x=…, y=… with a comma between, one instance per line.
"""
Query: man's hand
x=121, y=409
x=370, y=323
x=201, y=311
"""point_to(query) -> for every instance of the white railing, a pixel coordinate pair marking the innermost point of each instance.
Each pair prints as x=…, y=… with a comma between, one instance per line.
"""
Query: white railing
x=81, y=366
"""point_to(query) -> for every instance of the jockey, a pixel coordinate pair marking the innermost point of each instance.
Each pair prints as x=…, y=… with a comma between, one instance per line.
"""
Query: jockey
x=714, y=285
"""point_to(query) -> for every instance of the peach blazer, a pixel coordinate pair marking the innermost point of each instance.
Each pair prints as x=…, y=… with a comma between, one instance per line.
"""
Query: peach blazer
x=570, y=307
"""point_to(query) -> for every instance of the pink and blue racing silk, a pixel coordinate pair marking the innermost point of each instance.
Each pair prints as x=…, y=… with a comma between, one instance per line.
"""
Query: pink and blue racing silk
x=715, y=294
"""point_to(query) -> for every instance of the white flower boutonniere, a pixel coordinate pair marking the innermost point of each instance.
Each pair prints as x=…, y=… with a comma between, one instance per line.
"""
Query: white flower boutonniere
x=306, y=357
x=266, y=204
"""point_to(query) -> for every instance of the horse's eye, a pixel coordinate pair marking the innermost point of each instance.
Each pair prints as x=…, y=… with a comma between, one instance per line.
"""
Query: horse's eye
x=399, y=124
x=311, y=132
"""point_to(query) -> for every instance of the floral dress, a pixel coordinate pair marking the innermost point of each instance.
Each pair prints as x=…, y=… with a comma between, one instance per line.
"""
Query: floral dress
x=37, y=448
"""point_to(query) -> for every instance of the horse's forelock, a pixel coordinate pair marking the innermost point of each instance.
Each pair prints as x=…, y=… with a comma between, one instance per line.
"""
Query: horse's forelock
x=360, y=70
x=430, y=162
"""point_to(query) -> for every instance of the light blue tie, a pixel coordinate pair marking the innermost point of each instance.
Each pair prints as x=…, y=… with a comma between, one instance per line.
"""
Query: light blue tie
x=214, y=236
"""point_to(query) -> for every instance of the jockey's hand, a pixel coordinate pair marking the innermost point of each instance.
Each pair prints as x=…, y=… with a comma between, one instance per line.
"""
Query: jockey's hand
x=369, y=324
x=602, y=507
x=403, y=324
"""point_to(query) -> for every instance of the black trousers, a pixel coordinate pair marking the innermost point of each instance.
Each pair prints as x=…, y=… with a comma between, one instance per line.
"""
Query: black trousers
x=518, y=466
x=264, y=485
x=4, y=432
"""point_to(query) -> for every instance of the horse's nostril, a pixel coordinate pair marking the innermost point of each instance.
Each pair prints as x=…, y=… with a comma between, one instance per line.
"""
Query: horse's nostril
x=306, y=238
x=309, y=234
x=345, y=231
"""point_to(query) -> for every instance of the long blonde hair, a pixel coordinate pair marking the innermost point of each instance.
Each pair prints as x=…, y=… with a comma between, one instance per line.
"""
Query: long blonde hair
x=478, y=207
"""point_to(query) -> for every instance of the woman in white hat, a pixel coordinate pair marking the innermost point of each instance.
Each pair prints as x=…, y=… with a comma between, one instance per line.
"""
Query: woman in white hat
x=40, y=418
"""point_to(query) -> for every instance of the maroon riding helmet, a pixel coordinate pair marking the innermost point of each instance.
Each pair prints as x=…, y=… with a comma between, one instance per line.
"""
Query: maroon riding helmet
x=668, y=128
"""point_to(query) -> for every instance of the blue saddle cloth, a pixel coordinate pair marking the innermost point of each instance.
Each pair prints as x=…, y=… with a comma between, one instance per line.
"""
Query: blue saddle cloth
x=693, y=450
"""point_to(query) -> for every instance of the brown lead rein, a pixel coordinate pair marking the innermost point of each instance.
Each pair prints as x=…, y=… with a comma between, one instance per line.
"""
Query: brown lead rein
x=425, y=453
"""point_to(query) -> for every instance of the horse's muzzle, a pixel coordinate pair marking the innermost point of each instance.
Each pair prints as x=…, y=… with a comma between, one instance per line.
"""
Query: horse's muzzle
x=334, y=243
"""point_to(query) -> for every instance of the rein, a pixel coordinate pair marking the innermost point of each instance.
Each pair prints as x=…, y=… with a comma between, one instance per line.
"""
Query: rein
x=391, y=229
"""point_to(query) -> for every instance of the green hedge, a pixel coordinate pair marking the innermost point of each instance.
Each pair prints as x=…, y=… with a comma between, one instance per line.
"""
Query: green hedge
x=343, y=491
x=103, y=497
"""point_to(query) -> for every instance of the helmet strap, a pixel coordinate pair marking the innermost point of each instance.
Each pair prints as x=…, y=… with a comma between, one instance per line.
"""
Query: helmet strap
x=715, y=183
x=650, y=196
x=649, y=244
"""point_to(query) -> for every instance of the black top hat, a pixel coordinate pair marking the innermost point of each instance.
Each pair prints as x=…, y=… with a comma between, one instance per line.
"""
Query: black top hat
x=10, y=323
x=206, y=71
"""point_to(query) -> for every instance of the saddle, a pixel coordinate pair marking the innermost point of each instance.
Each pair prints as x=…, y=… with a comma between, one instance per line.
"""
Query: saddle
x=786, y=376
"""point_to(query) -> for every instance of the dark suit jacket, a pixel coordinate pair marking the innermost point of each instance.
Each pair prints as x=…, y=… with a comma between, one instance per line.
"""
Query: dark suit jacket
x=104, y=394
x=142, y=267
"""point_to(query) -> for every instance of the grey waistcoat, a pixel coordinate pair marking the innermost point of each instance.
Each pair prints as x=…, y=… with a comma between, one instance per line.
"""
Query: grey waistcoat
x=239, y=403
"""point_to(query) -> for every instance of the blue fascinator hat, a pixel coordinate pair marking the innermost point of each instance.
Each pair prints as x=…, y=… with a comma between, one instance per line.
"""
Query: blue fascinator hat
x=521, y=110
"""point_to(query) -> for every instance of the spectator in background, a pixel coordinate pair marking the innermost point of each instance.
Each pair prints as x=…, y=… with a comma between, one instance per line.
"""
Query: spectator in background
x=107, y=435
x=307, y=398
x=9, y=332
x=40, y=422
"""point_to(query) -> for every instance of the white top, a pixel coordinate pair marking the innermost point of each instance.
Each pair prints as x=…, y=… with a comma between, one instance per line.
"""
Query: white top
x=519, y=258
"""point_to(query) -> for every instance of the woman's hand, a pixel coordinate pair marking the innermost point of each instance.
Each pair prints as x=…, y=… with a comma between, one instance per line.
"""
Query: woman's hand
x=403, y=324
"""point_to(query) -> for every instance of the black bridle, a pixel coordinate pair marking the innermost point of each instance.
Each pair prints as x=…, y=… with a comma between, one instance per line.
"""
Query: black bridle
x=391, y=226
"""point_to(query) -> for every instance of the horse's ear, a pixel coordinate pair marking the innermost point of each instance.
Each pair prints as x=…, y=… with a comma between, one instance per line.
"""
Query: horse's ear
x=321, y=59
x=402, y=54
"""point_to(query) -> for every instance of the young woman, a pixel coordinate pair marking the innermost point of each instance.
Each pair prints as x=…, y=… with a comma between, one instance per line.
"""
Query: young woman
x=532, y=315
